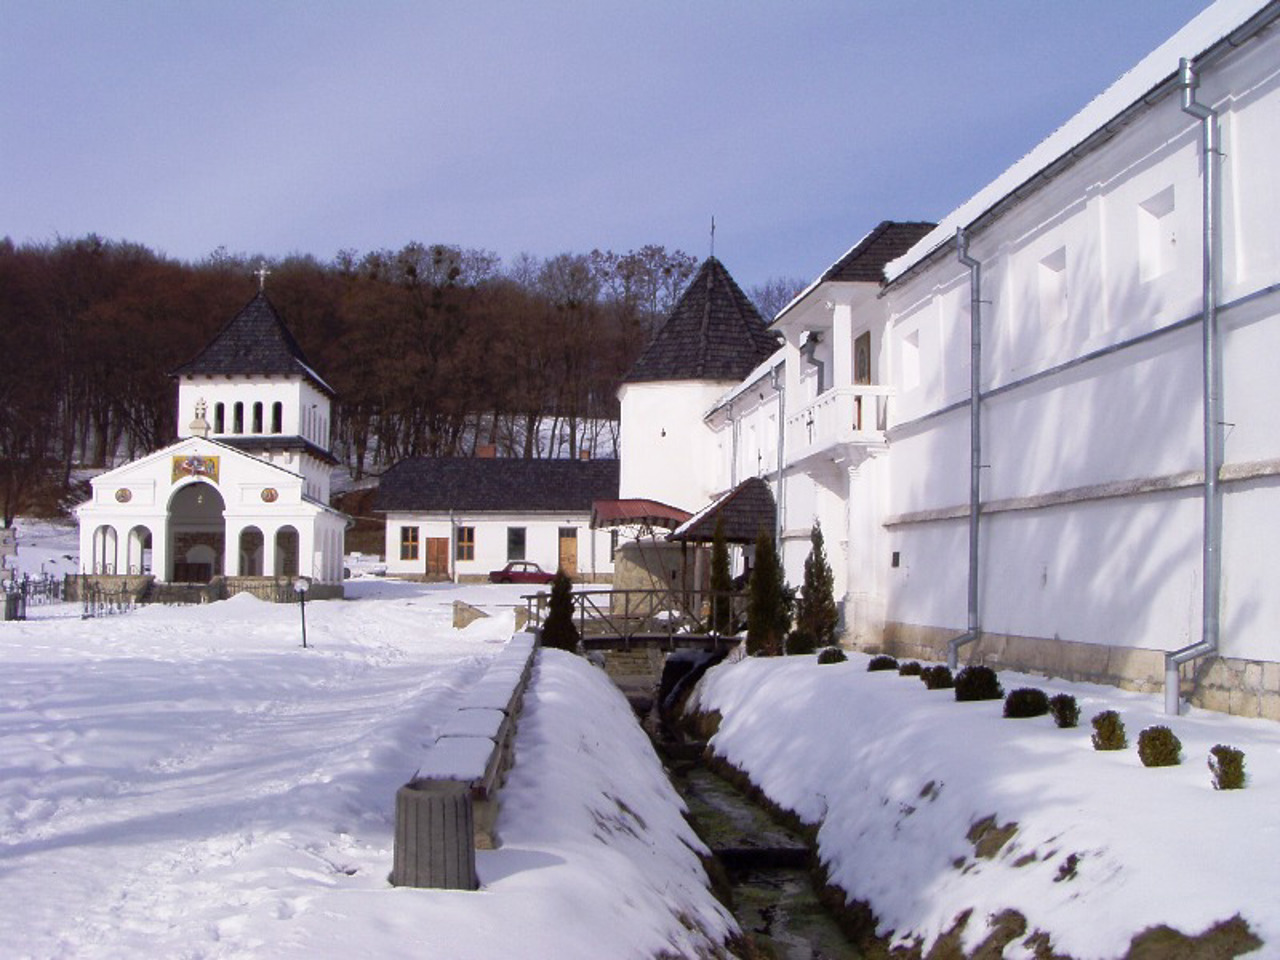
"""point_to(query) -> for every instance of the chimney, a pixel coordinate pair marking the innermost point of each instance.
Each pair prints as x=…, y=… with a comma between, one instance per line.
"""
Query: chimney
x=486, y=451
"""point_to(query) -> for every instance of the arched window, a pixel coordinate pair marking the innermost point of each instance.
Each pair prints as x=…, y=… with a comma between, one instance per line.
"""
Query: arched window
x=257, y=417
x=277, y=417
x=237, y=418
x=219, y=418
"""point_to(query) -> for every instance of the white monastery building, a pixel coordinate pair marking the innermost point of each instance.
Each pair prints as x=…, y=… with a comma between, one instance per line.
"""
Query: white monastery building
x=242, y=497
x=1045, y=433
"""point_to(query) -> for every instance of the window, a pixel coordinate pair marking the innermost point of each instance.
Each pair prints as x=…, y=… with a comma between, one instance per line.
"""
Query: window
x=515, y=543
x=219, y=418
x=466, y=549
x=408, y=543
x=1157, y=239
x=237, y=418
x=277, y=417
x=257, y=417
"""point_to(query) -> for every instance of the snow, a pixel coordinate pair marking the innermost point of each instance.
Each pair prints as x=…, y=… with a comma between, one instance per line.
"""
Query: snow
x=1200, y=33
x=897, y=775
x=190, y=782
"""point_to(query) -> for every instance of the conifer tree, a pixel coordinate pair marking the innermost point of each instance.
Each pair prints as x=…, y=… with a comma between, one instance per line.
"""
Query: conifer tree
x=767, y=614
x=559, y=630
x=816, y=613
x=721, y=583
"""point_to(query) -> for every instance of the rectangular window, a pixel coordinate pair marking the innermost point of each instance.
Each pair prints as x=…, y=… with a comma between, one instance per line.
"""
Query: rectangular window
x=257, y=417
x=237, y=420
x=219, y=418
x=408, y=543
x=466, y=549
x=515, y=543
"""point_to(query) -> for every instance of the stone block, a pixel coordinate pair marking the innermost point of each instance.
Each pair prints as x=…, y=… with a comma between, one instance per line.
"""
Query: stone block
x=464, y=614
x=1270, y=705
x=434, y=842
x=1213, y=698
x=1271, y=677
x=1253, y=675
x=1244, y=703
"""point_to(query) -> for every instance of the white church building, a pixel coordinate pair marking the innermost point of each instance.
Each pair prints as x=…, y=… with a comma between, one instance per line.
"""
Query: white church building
x=1044, y=434
x=241, y=500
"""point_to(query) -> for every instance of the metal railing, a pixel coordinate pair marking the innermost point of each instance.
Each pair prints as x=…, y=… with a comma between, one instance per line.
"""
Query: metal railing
x=99, y=601
x=627, y=615
x=25, y=591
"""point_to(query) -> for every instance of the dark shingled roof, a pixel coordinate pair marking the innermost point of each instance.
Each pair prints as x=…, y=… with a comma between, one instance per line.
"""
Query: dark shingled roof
x=260, y=445
x=865, y=262
x=256, y=341
x=437, y=484
x=713, y=333
x=747, y=510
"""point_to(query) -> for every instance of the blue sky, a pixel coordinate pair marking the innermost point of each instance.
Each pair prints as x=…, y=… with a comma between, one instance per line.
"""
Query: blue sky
x=541, y=126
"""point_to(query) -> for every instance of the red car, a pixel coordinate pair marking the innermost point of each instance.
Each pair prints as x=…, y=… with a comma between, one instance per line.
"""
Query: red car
x=521, y=571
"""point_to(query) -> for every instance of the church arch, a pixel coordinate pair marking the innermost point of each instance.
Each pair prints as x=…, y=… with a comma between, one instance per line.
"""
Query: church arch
x=277, y=417
x=252, y=547
x=287, y=552
x=138, y=550
x=237, y=418
x=257, y=417
x=197, y=533
x=219, y=418
x=105, y=545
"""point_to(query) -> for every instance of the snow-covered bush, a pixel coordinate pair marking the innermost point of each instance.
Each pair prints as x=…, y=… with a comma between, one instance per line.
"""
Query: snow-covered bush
x=978, y=683
x=1227, y=765
x=1159, y=746
x=1108, y=731
x=1065, y=710
x=909, y=669
x=1026, y=702
x=882, y=662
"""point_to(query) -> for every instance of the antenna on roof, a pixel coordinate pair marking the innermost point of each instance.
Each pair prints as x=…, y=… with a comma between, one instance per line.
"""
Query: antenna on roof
x=713, y=235
x=262, y=273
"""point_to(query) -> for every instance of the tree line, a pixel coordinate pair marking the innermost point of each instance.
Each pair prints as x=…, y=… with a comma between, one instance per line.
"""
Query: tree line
x=433, y=349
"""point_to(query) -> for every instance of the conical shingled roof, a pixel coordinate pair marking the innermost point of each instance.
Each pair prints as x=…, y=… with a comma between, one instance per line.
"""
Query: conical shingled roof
x=713, y=333
x=255, y=342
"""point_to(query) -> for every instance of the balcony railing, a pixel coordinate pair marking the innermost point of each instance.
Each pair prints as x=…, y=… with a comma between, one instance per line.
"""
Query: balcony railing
x=847, y=415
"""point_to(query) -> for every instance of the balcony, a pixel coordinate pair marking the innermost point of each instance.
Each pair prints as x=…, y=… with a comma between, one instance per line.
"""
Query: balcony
x=848, y=416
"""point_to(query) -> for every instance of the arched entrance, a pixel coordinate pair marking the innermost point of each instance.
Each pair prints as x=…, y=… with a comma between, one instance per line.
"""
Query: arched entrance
x=286, y=552
x=251, y=549
x=197, y=533
x=104, y=549
x=138, y=550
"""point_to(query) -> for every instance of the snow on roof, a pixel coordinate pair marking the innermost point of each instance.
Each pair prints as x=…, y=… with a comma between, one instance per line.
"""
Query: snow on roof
x=1201, y=33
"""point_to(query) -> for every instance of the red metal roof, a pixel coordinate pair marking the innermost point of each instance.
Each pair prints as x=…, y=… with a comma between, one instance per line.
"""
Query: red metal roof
x=621, y=513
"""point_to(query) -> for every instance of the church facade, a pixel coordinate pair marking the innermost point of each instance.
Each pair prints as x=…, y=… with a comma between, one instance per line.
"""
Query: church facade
x=241, y=499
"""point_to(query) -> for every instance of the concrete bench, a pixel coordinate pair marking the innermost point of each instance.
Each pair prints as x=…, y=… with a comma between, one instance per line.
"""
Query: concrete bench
x=449, y=808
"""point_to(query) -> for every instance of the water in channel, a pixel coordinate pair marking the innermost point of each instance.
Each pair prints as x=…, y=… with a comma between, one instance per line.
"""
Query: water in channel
x=767, y=866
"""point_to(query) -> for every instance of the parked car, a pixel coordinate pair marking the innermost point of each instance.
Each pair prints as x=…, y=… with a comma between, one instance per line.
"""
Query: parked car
x=521, y=571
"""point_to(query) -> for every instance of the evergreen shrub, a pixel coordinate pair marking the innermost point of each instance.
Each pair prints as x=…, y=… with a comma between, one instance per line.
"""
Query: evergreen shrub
x=978, y=683
x=1065, y=710
x=721, y=583
x=1108, y=731
x=816, y=610
x=909, y=669
x=882, y=662
x=1159, y=746
x=559, y=630
x=937, y=677
x=801, y=641
x=768, y=611
x=1227, y=765
x=1026, y=702
x=831, y=655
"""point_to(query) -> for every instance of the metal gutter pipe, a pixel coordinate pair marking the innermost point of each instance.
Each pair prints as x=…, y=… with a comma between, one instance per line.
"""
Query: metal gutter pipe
x=973, y=629
x=779, y=382
x=1211, y=559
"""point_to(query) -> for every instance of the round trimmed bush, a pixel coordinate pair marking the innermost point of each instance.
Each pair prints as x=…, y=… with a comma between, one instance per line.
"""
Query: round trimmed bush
x=882, y=662
x=1108, y=731
x=831, y=655
x=909, y=669
x=1026, y=702
x=1065, y=710
x=800, y=641
x=937, y=677
x=978, y=683
x=1159, y=746
x=1227, y=765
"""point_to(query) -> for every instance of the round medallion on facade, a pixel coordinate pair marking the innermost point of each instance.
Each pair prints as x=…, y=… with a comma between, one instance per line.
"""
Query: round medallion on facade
x=124, y=495
x=269, y=495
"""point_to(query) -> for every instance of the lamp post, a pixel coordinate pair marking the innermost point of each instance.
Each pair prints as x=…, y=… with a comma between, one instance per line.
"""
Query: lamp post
x=301, y=585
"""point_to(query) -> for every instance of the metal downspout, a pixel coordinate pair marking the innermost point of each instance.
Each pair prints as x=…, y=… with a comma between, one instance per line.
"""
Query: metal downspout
x=973, y=630
x=780, y=385
x=1211, y=560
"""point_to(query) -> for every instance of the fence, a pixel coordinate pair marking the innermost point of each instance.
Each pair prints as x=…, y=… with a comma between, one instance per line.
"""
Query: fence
x=99, y=601
x=22, y=592
x=625, y=614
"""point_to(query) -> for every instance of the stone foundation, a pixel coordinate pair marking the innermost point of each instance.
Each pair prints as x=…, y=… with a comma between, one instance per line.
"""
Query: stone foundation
x=1242, y=687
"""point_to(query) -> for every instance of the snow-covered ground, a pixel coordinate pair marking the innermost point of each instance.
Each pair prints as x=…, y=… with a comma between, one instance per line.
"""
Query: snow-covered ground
x=897, y=775
x=190, y=782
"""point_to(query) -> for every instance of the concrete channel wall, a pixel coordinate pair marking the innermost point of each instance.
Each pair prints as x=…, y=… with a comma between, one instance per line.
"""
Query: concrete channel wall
x=449, y=807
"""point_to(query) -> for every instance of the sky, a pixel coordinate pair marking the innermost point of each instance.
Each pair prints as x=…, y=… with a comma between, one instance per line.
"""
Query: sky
x=542, y=128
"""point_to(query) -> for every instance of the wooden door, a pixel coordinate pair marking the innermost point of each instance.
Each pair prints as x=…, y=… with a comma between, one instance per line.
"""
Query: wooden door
x=569, y=550
x=437, y=556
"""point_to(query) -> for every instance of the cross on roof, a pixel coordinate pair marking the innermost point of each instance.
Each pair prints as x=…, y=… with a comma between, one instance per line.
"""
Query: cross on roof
x=262, y=273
